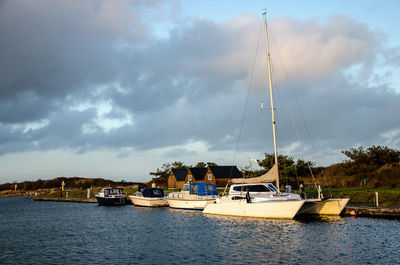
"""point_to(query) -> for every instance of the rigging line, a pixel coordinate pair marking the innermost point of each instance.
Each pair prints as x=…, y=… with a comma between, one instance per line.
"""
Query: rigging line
x=247, y=97
x=285, y=102
x=300, y=112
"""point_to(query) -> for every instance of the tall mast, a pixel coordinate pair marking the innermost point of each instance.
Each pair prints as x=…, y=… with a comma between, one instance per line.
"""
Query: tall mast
x=270, y=94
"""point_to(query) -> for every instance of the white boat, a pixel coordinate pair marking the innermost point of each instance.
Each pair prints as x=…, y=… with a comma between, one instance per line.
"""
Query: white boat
x=256, y=200
x=193, y=196
x=273, y=205
x=252, y=200
x=258, y=192
x=149, y=197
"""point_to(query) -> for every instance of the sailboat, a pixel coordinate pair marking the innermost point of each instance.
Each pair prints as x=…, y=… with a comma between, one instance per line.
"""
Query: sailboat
x=271, y=205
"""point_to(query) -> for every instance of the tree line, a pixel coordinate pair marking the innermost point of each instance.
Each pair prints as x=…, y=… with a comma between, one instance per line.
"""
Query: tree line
x=290, y=169
x=378, y=165
x=73, y=183
x=375, y=166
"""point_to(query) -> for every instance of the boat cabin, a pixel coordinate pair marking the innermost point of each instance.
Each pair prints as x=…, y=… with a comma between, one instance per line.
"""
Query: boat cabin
x=200, y=188
x=152, y=192
x=107, y=192
x=259, y=188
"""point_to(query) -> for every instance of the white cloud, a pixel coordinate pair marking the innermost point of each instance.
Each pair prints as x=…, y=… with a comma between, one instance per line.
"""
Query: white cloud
x=105, y=81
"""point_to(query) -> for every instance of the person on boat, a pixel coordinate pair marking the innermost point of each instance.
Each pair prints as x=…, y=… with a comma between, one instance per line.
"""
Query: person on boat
x=302, y=194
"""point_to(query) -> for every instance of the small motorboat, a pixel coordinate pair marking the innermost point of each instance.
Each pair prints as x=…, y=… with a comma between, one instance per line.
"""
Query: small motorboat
x=193, y=196
x=111, y=196
x=149, y=197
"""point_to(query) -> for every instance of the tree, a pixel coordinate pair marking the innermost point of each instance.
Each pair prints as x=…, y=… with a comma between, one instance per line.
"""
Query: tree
x=201, y=165
x=161, y=175
x=371, y=159
x=303, y=167
x=289, y=170
x=178, y=165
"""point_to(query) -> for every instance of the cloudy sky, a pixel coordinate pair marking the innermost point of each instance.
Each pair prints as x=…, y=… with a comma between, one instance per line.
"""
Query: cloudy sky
x=115, y=89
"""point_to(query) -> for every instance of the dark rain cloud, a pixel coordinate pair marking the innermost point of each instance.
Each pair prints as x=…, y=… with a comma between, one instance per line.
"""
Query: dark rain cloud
x=62, y=60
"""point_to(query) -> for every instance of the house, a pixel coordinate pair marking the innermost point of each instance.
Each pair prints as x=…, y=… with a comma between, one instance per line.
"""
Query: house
x=221, y=175
x=217, y=175
x=177, y=177
x=196, y=174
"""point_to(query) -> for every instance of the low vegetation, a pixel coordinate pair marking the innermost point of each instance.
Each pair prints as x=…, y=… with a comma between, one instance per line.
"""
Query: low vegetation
x=374, y=167
x=70, y=183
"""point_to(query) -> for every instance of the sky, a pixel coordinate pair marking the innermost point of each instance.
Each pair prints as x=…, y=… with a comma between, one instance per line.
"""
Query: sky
x=114, y=89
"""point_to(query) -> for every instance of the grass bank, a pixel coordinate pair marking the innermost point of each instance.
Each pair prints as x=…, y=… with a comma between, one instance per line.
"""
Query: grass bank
x=387, y=197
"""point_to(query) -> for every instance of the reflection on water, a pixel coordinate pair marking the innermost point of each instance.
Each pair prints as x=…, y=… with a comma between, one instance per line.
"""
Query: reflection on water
x=73, y=233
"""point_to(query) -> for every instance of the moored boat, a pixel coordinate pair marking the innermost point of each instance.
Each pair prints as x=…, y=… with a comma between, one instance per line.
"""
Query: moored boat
x=149, y=197
x=256, y=199
x=193, y=196
x=272, y=205
x=272, y=208
x=111, y=196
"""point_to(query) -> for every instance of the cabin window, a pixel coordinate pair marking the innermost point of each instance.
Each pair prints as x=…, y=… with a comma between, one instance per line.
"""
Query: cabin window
x=157, y=193
x=190, y=177
x=193, y=189
x=252, y=188
x=209, y=188
x=209, y=177
x=259, y=188
x=185, y=187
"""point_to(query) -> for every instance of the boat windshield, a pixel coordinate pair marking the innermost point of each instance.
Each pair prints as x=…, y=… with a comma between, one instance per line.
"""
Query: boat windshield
x=115, y=191
x=272, y=187
x=185, y=187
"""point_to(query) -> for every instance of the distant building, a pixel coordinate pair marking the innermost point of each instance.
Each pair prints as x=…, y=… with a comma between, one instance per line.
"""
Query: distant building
x=217, y=175
x=176, y=178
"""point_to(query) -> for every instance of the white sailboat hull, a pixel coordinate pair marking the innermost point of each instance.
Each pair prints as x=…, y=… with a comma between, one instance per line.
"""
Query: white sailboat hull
x=189, y=204
x=148, y=202
x=330, y=206
x=282, y=209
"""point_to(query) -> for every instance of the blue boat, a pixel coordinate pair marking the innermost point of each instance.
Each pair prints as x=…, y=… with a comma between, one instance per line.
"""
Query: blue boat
x=193, y=196
x=111, y=196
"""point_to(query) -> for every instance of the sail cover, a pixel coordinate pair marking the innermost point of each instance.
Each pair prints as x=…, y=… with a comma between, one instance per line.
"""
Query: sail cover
x=270, y=176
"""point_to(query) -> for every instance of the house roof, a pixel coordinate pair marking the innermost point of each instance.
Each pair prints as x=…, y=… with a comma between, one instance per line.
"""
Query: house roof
x=198, y=172
x=225, y=172
x=180, y=174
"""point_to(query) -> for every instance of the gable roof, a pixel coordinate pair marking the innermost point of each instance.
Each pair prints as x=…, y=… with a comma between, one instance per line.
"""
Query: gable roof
x=198, y=172
x=225, y=172
x=180, y=173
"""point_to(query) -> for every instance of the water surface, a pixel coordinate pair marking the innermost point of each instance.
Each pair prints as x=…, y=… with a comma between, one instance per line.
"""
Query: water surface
x=38, y=232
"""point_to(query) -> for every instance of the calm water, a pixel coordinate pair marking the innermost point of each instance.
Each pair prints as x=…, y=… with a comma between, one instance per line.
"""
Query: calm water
x=74, y=233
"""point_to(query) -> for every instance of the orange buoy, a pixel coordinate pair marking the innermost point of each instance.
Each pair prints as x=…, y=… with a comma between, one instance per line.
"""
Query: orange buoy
x=353, y=213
